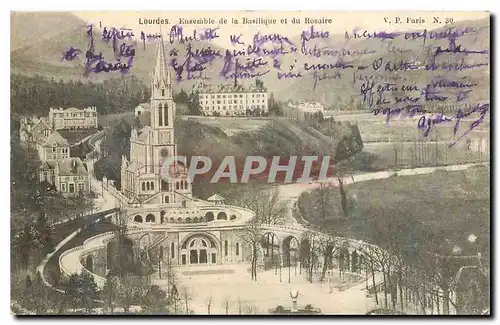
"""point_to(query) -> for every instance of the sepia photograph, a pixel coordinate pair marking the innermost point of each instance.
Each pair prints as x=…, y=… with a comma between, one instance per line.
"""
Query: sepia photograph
x=242, y=163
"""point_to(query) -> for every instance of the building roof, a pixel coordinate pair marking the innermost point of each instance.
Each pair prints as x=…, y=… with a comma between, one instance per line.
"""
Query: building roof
x=144, y=105
x=230, y=88
x=48, y=165
x=216, y=197
x=72, y=167
x=55, y=138
x=145, y=131
x=72, y=109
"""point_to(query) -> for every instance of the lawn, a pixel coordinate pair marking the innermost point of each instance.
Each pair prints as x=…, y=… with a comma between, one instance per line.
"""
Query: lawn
x=231, y=125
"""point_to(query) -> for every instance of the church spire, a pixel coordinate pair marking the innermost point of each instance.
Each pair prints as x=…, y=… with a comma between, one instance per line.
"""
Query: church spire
x=161, y=76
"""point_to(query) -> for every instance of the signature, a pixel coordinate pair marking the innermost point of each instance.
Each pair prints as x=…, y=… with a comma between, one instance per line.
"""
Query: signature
x=426, y=123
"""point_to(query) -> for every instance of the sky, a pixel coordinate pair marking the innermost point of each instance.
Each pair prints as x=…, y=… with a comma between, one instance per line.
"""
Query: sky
x=341, y=21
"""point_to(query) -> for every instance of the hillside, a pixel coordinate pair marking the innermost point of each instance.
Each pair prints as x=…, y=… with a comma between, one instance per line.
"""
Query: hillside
x=277, y=137
x=41, y=51
x=43, y=55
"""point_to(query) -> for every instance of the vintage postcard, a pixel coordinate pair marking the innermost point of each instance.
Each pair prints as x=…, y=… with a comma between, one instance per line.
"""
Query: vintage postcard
x=250, y=163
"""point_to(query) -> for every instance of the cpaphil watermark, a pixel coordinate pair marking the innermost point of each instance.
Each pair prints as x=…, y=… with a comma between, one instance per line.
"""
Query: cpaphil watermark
x=233, y=169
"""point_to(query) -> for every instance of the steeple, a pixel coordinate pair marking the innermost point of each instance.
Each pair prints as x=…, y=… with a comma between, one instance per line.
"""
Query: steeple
x=161, y=76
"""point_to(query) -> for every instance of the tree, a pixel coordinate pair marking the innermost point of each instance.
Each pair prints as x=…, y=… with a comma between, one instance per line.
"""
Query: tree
x=81, y=289
x=267, y=204
x=209, y=304
x=155, y=300
x=251, y=236
x=35, y=296
x=226, y=303
x=343, y=196
x=43, y=234
x=131, y=289
x=22, y=245
x=109, y=293
x=24, y=178
x=186, y=296
x=174, y=297
x=194, y=104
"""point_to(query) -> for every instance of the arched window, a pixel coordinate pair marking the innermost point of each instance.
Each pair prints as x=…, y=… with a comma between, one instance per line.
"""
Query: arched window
x=89, y=263
x=166, y=115
x=147, y=185
x=185, y=184
x=160, y=115
x=237, y=249
x=167, y=199
x=152, y=186
x=172, y=250
x=150, y=218
x=161, y=252
x=143, y=186
x=225, y=248
x=109, y=256
x=138, y=218
x=163, y=91
x=176, y=185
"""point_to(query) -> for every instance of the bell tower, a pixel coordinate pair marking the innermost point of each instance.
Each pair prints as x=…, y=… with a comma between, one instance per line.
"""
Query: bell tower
x=162, y=109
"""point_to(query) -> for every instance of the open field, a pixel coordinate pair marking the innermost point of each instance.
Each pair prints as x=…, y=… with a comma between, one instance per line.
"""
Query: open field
x=454, y=204
x=230, y=124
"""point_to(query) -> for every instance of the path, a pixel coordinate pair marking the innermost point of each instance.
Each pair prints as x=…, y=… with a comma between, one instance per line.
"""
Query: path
x=105, y=202
x=294, y=190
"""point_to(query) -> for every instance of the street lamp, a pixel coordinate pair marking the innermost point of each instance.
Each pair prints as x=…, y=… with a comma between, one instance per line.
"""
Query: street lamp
x=294, y=294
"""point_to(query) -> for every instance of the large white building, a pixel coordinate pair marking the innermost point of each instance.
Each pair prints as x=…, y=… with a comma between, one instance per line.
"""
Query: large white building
x=73, y=118
x=230, y=101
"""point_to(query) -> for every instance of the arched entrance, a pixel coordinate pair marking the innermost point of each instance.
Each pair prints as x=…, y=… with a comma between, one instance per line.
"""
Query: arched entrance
x=138, y=218
x=89, y=263
x=150, y=218
x=290, y=251
x=199, y=249
x=271, y=247
x=110, y=253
